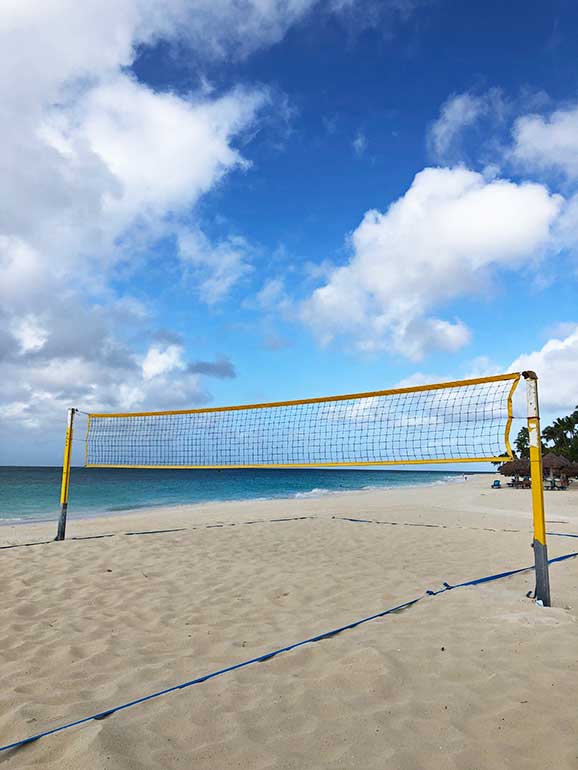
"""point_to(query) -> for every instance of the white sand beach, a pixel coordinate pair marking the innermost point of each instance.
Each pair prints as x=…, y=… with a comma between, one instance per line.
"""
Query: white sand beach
x=477, y=678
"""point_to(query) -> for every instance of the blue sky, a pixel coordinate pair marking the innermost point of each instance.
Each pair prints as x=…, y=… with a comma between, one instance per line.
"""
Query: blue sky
x=229, y=202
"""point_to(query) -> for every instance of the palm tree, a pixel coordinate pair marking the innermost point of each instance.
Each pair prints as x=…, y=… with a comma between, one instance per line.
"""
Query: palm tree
x=562, y=436
x=522, y=444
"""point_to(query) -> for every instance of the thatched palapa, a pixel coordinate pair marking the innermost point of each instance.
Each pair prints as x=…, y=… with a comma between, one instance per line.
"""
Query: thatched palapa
x=515, y=468
x=554, y=463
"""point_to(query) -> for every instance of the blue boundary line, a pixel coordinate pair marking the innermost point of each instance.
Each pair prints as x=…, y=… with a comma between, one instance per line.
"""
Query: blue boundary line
x=265, y=521
x=157, y=531
x=440, y=526
x=269, y=655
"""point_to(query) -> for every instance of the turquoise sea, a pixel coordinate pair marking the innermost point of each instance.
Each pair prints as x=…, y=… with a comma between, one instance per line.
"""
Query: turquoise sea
x=28, y=494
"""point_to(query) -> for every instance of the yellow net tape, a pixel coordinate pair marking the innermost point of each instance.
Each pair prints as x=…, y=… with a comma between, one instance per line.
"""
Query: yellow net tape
x=461, y=421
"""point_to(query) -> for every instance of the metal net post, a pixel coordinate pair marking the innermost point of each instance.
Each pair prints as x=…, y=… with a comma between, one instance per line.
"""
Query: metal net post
x=61, y=532
x=537, y=480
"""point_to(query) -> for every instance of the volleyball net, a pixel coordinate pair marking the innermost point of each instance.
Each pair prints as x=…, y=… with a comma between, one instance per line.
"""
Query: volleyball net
x=463, y=421
x=449, y=422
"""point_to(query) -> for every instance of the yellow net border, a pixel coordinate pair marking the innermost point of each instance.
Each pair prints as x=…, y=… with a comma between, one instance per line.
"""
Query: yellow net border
x=423, y=424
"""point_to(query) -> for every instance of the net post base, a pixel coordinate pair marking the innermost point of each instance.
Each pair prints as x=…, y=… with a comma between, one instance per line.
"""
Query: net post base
x=542, y=573
x=61, y=532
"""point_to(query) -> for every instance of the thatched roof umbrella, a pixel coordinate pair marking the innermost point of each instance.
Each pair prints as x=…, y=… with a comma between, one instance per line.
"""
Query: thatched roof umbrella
x=571, y=470
x=515, y=468
x=552, y=462
x=522, y=467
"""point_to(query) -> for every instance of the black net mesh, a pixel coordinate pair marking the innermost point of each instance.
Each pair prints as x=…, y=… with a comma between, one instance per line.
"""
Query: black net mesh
x=463, y=421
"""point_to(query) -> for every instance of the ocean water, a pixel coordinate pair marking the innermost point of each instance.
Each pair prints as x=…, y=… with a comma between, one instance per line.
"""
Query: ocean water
x=28, y=494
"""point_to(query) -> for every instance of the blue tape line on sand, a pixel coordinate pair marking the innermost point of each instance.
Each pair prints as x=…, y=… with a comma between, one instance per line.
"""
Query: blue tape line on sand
x=212, y=675
x=267, y=656
x=498, y=576
x=440, y=526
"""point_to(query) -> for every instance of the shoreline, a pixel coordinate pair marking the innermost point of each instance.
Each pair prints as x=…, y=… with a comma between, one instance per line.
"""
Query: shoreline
x=509, y=506
x=316, y=493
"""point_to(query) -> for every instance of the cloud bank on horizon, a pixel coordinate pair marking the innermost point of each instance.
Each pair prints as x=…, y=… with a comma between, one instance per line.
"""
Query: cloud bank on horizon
x=107, y=178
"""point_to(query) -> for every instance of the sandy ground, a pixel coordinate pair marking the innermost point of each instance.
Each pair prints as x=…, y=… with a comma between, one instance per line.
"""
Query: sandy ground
x=475, y=678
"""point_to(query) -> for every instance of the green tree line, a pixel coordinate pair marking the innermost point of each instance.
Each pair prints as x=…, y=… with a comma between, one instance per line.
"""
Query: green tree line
x=561, y=438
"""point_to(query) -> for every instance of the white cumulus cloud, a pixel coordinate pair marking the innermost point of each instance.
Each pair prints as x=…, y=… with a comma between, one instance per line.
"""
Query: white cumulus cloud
x=556, y=364
x=122, y=122
x=162, y=360
x=444, y=238
x=548, y=143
